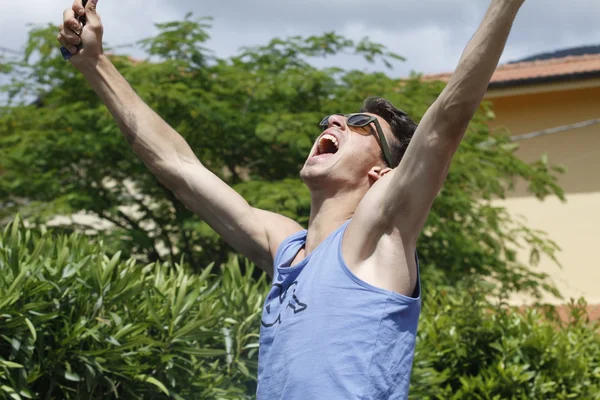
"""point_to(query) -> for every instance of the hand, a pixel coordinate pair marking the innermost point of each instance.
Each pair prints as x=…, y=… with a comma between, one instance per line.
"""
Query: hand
x=72, y=33
x=517, y=3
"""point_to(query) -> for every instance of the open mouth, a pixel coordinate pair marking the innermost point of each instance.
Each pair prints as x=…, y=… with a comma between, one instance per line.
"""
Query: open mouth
x=328, y=144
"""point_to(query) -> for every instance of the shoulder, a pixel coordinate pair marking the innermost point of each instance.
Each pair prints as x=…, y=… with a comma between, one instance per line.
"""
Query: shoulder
x=379, y=250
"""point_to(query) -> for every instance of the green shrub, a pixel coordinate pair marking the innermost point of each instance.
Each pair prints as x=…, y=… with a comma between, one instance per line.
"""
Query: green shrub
x=75, y=324
x=471, y=348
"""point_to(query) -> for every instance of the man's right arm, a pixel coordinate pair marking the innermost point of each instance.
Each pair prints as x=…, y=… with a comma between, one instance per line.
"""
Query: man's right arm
x=253, y=232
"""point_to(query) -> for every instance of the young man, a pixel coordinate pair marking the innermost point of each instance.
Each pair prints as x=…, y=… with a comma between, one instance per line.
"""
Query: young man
x=340, y=320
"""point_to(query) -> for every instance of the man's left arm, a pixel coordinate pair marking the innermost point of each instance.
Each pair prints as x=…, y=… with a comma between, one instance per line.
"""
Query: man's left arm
x=415, y=183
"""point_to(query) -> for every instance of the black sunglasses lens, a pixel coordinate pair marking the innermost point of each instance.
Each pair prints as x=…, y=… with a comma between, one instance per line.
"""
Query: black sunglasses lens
x=359, y=120
x=324, y=122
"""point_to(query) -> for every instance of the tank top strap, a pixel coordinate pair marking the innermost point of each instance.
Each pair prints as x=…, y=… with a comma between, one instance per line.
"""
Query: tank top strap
x=288, y=249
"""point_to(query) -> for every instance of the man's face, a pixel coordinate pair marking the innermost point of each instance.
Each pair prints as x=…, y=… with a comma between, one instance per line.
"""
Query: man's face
x=343, y=155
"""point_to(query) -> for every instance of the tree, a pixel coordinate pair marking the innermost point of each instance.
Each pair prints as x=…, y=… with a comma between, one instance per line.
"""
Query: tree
x=251, y=119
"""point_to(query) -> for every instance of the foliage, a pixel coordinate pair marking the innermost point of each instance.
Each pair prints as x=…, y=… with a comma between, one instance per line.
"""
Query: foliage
x=251, y=119
x=77, y=324
x=471, y=348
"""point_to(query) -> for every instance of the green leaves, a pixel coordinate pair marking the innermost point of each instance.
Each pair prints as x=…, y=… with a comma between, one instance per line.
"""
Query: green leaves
x=83, y=325
x=180, y=41
x=80, y=317
x=113, y=328
x=251, y=119
x=154, y=381
x=471, y=345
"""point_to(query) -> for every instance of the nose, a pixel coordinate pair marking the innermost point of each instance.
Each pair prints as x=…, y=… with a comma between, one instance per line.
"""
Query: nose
x=339, y=121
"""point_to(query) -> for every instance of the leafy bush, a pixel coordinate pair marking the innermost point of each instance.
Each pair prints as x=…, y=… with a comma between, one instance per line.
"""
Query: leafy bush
x=471, y=348
x=75, y=324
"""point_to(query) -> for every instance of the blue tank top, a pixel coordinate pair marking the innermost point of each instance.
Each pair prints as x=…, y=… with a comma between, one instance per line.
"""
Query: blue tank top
x=326, y=334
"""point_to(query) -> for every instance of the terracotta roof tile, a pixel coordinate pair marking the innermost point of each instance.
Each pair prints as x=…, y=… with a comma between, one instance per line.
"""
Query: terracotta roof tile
x=537, y=69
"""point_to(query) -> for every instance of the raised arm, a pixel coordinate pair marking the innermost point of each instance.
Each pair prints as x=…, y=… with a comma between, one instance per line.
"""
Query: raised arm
x=417, y=180
x=255, y=233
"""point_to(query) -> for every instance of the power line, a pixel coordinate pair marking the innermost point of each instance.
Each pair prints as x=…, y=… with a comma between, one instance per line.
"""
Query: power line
x=557, y=129
x=549, y=131
x=12, y=51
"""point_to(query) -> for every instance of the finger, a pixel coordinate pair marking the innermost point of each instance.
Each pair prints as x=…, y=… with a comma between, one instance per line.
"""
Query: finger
x=78, y=7
x=72, y=49
x=70, y=22
x=92, y=17
x=69, y=36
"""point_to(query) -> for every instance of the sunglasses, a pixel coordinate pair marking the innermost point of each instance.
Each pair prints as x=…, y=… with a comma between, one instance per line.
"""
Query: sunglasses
x=360, y=121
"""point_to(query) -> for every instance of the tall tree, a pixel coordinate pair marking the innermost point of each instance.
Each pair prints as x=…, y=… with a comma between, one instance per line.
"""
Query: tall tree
x=251, y=119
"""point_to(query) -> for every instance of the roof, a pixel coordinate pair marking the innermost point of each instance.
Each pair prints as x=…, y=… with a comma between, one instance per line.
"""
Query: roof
x=573, y=51
x=542, y=68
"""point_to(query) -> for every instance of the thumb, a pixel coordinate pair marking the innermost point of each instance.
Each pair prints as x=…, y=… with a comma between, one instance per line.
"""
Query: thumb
x=91, y=16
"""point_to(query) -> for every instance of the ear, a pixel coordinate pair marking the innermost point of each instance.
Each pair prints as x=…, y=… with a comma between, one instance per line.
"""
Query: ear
x=377, y=172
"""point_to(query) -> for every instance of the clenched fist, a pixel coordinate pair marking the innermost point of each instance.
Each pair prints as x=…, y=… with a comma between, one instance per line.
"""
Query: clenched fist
x=72, y=32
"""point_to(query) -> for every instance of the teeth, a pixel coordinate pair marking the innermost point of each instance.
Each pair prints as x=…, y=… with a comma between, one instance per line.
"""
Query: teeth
x=324, y=147
x=330, y=138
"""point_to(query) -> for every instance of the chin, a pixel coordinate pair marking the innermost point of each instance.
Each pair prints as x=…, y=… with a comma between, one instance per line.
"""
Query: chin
x=310, y=173
x=315, y=176
x=319, y=178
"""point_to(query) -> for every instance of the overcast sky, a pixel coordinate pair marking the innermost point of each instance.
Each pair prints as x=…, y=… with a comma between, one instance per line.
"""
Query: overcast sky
x=431, y=34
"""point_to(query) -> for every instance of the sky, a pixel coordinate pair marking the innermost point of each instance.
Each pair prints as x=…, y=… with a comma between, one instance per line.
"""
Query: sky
x=430, y=34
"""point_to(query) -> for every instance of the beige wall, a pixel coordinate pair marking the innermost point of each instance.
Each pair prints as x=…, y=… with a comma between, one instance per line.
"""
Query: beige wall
x=574, y=225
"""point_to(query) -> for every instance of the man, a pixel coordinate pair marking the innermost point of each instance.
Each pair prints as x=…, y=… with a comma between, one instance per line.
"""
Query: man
x=340, y=320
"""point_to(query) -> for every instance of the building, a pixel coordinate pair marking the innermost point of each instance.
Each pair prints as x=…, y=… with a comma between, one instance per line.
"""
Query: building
x=551, y=104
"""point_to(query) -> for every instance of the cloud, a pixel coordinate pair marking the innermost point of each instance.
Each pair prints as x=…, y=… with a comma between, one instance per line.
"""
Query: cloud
x=431, y=34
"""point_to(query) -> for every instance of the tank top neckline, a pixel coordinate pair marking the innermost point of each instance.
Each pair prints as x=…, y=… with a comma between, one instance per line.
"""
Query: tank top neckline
x=299, y=239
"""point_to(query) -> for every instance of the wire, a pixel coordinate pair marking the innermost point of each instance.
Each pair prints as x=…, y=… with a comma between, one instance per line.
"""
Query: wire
x=7, y=50
x=557, y=129
x=549, y=131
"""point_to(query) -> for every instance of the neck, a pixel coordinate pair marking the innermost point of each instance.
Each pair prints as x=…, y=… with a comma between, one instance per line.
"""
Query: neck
x=327, y=213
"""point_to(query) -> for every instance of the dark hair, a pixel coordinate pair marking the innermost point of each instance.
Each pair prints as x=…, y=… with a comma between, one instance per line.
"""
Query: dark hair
x=402, y=126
